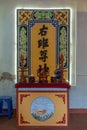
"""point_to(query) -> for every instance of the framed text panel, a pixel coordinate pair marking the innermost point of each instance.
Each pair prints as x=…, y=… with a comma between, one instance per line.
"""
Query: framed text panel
x=42, y=37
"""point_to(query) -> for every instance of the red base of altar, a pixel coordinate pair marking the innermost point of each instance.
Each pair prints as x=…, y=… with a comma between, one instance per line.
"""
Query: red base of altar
x=42, y=85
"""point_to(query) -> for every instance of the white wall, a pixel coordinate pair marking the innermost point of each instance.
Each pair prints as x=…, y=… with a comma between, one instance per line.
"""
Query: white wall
x=78, y=93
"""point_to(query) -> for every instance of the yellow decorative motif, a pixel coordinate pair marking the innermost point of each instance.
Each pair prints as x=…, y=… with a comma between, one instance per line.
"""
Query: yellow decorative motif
x=62, y=17
x=24, y=16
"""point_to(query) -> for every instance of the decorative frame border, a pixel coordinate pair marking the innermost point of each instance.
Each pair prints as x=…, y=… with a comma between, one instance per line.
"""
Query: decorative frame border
x=63, y=18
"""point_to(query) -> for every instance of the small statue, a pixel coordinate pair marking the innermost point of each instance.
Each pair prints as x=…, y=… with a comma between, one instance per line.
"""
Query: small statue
x=43, y=73
x=31, y=78
x=59, y=72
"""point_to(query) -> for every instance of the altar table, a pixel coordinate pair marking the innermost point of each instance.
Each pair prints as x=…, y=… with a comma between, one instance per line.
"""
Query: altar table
x=42, y=104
